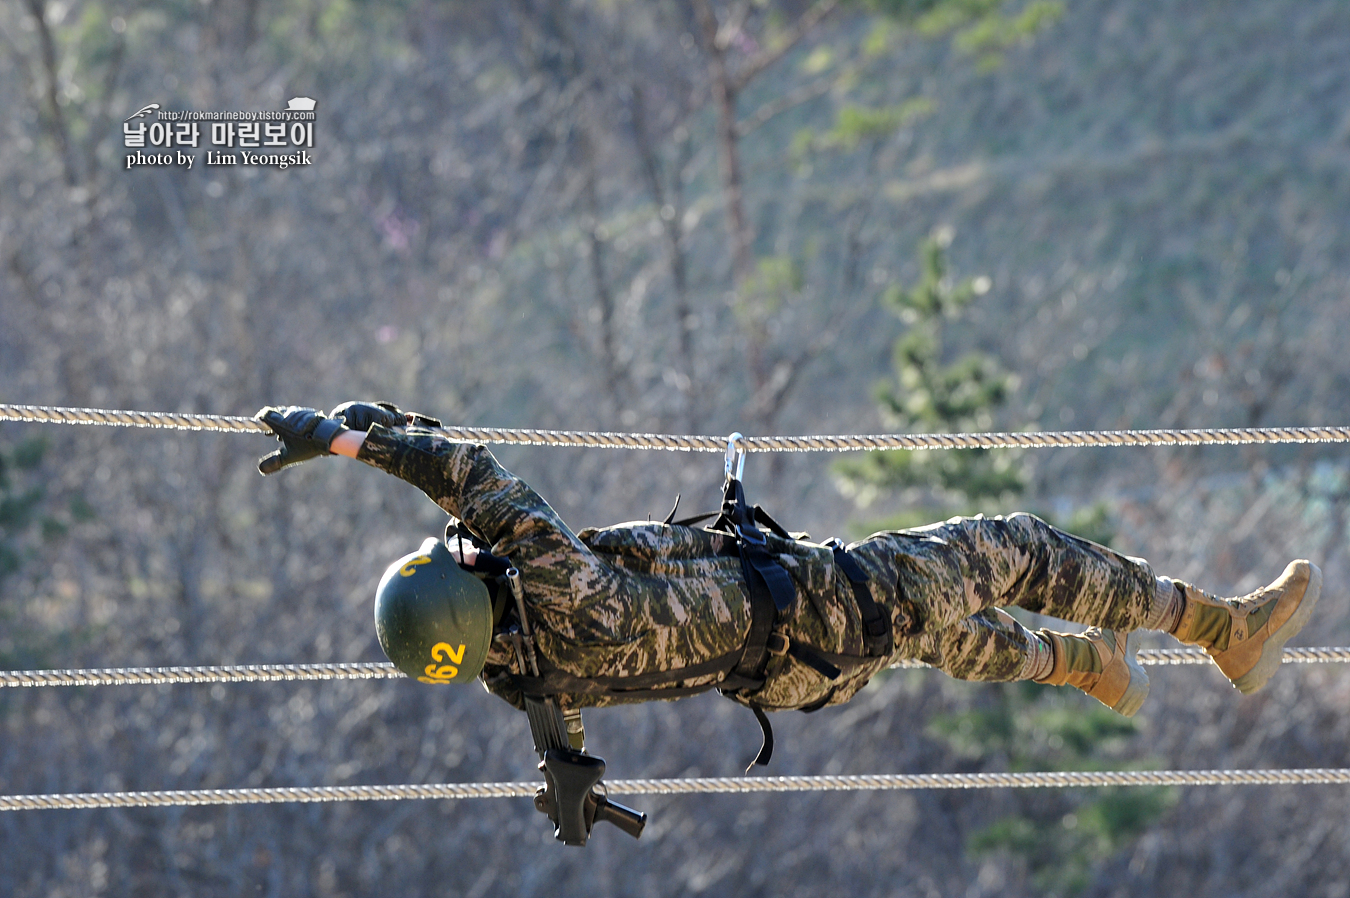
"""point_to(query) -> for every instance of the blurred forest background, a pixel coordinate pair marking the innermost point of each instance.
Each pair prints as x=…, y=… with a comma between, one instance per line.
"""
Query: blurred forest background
x=679, y=216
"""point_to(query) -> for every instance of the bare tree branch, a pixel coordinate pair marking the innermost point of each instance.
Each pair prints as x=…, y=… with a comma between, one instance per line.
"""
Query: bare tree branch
x=61, y=133
x=104, y=115
x=670, y=212
x=616, y=375
x=768, y=56
x=724, y=93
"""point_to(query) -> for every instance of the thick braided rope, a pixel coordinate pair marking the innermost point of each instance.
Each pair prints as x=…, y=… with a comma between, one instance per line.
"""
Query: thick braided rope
x=733, y=785
x=256, y=673
x=1314, y=655
x=46, y=414
x=843, y=443
x=248, y=673
x=1159, y=657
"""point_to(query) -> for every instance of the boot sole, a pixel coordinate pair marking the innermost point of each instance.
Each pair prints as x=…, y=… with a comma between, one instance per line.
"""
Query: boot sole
x=1272, y=651
x=1129, y=704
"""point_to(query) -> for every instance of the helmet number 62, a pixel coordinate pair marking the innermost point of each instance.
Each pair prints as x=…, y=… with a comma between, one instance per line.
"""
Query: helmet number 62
x=443, y=673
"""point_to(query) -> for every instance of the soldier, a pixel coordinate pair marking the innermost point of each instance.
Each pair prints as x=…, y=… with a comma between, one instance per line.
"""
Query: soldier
x=648, y=610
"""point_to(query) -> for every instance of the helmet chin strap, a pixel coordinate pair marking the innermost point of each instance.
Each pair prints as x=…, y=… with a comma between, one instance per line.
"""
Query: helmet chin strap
x=465, y=554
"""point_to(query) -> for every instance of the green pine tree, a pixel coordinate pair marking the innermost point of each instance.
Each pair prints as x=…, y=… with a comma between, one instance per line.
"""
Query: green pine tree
x=29, y=524
x=930, y=393
x=1061, y=838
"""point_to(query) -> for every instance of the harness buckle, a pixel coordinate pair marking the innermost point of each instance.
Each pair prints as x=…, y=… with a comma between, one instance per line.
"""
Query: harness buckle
x=778, y=644
x=753, y=535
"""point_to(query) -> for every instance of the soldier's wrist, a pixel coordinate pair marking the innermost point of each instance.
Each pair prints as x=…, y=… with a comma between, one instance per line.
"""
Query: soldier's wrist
x=347, y=442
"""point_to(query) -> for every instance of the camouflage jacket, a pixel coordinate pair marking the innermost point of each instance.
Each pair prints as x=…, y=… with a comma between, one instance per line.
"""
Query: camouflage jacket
x=637, y=601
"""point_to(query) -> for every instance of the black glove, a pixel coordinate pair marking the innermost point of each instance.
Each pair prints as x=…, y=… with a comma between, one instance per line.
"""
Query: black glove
x=305, y=433
x=360, y=415
x=417, y=419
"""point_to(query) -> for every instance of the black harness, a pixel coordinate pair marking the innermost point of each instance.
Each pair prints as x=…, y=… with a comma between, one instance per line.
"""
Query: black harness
x=772, y=593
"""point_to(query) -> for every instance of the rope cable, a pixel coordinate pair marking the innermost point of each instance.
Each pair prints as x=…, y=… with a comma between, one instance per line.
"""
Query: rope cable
x=827, y=443
x=248, y=673
x=256, y=673
x=697, y=785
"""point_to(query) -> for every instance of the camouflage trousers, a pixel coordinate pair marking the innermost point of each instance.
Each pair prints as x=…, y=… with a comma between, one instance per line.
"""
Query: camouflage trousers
x=955, y=578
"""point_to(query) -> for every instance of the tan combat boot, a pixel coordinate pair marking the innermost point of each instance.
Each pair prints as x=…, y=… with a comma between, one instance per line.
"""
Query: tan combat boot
x=1100, y=663
x=1246, y=636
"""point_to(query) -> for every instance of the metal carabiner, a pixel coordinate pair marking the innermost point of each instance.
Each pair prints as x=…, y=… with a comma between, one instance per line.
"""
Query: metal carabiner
x=735, y=463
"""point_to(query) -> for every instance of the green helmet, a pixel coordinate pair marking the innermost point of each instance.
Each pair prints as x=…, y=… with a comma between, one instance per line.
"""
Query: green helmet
x=433, y=618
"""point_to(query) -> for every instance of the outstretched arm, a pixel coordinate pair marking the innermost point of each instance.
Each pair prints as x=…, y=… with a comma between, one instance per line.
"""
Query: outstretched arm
x=462, y=478
x=467, y=481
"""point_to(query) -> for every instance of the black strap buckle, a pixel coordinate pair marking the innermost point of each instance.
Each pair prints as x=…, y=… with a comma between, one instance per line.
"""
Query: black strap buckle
x=750, y=534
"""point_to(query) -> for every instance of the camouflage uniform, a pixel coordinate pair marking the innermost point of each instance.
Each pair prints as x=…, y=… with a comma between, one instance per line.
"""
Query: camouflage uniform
x=641, y=598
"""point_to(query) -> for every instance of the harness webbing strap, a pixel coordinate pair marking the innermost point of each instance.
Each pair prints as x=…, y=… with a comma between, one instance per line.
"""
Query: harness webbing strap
x=771, y=593
x=776, y=582
x=877, y=635
x=763, y=612
x=814, y=659
x=731, y=683
x=764, y=607
x=762, y=519
x=656, y=684
x=766, y=747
